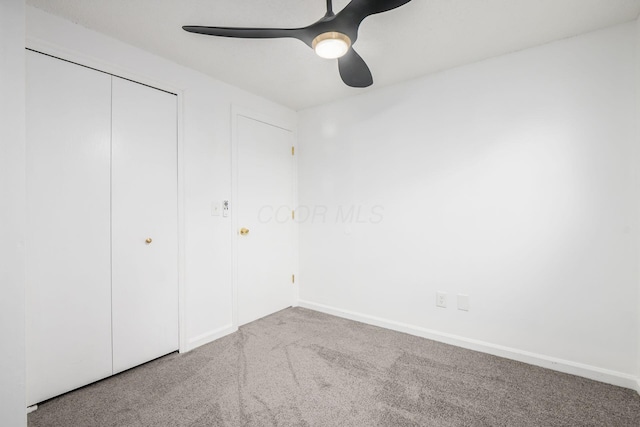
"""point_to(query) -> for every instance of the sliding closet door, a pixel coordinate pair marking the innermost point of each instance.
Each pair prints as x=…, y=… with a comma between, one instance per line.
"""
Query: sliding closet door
x=144, y=224
x=68, y=227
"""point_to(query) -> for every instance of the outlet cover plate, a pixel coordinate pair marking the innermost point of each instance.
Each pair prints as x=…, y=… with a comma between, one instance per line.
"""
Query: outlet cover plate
x=441, y=299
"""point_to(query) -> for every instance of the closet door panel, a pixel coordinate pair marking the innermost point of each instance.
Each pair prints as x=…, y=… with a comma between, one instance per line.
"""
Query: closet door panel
x=144, y=221
x=68, y=267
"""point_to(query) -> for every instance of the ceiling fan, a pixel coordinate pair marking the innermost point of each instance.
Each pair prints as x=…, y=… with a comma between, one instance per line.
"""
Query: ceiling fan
x=331, y=37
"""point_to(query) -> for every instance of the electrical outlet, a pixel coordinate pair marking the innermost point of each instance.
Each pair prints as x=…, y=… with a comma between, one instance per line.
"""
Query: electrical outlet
x=441, y=299
x=463, y=302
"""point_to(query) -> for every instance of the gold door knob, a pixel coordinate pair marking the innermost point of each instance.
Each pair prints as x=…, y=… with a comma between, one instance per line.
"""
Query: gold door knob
x=244, y=231
x=149, y=240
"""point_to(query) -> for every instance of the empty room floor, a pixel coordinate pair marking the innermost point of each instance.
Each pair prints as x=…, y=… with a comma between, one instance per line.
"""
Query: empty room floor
x=299, y=367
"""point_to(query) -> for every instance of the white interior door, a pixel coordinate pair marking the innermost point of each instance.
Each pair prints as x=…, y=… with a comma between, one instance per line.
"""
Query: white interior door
x=264, y=205
x=68, y=271
x=144, y=224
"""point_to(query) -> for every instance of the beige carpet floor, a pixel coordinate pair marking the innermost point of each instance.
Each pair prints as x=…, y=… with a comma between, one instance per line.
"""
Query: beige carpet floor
x=303, y=368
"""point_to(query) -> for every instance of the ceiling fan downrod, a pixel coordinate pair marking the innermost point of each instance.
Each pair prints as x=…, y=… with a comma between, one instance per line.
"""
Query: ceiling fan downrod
x=329, y=9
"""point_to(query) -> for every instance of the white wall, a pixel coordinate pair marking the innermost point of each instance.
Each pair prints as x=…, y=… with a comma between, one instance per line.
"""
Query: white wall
x=509, y=180
x=638, y=180
x=207, y=140
x=12, y=197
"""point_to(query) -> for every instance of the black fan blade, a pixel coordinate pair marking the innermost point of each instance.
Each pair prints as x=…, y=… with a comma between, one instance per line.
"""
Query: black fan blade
x=360, y=9
x=245, y=33
x=354, y=70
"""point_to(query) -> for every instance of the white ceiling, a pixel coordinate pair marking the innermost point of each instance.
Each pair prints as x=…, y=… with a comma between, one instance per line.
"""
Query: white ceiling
x=421, y=37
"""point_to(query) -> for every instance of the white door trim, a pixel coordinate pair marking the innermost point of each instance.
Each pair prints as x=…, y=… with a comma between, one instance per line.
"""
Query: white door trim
x=291, y=126
x=48, y=48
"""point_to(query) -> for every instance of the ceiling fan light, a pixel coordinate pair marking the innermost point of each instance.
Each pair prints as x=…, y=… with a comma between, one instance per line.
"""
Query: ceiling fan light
x=331, y=45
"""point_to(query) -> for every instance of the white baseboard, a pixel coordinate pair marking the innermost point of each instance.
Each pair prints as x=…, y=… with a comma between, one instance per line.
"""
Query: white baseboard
x=561, y=365
x=208, y=337
x=30, y=409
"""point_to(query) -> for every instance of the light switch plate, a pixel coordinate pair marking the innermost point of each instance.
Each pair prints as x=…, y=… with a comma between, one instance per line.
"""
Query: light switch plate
x=216, y=208
x=463, y=302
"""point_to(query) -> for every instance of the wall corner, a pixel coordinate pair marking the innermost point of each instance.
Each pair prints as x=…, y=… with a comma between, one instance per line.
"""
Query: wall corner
x=637, y=187
x=12, y=200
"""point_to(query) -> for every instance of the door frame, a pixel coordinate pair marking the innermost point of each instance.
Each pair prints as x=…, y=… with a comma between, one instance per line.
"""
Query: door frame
x=64, y=54
x=282, y=123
